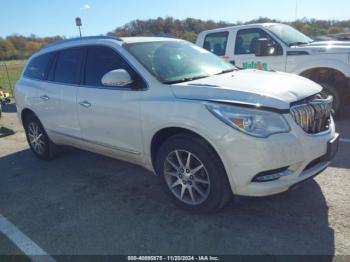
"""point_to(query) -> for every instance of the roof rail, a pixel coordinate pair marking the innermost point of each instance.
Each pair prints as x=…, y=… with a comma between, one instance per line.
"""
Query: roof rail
x=80, y=38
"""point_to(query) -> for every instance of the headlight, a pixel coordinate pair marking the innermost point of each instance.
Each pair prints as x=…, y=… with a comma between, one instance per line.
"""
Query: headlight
x=253, y=122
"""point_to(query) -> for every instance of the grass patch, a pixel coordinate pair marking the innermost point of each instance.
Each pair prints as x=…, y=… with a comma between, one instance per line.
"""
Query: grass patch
x=14, y=69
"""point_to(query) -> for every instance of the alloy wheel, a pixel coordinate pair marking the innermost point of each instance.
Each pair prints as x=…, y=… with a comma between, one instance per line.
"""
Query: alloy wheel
x=187, y=177
x=36, y=138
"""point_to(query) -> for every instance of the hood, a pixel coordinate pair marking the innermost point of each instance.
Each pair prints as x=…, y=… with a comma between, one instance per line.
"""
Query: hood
x=331, y=43
x=326, y=47
x=254, y=87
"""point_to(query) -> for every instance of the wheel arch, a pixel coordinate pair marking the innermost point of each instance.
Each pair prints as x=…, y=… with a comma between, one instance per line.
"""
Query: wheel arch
x=328, y=63
x=319, y=74
x=165, y=133
x=332, y=79
x=25, y=113
x=330, y=76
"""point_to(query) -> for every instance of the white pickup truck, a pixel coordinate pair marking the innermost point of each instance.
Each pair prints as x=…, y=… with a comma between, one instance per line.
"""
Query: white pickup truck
x=279, y=47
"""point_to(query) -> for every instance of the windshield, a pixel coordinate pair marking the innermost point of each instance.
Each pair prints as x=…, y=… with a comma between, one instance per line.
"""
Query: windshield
x=289, y=35
x=177, y=61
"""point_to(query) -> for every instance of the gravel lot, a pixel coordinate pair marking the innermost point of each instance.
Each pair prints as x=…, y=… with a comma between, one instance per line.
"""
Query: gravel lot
x=83, y=203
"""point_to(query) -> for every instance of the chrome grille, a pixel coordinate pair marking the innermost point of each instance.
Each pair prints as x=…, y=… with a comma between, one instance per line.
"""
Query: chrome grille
x=313, y=116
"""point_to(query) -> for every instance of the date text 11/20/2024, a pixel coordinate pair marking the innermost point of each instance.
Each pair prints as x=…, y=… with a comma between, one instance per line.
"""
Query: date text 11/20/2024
x=173, y=258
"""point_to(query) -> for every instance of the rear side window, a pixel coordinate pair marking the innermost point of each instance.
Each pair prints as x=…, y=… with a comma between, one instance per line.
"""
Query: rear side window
x=38, y=67
x=68, y=66
x=101, y=60
x=216, y=43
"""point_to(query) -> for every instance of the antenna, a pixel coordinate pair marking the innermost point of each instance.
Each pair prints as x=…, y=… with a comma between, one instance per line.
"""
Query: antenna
x=296, y=10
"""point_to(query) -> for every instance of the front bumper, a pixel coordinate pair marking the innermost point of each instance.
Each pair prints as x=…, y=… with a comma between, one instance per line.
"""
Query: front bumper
x=244, y=157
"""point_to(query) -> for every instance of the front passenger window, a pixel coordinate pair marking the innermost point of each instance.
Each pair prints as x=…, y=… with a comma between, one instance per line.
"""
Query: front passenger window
x=101, y=60
x=247, y=39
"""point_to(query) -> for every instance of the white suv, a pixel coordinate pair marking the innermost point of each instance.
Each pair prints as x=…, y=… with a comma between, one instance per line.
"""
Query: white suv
x=208, y=130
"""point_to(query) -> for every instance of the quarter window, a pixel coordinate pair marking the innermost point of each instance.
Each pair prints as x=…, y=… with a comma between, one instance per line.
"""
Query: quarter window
x=216, y=43
x=68, y=66
x=38, y=67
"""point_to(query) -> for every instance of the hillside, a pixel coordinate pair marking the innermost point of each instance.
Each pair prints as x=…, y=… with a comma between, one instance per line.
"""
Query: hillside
x=190, y=27
x=21, y=47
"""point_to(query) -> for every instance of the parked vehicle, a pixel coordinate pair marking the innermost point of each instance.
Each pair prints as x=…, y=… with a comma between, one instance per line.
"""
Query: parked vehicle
x=208, y=130
x=279, y=47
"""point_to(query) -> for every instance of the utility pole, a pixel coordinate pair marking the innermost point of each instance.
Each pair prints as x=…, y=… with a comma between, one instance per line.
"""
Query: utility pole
x=78, y=24
x=296, y=10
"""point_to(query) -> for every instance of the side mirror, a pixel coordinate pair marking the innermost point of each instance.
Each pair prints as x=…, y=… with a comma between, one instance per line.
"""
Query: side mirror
x=262, y=47
x=118, y=77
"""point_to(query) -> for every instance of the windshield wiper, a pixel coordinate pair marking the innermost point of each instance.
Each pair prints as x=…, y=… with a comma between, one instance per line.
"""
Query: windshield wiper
x=226, y=71
x=298, y=43
x=185, y=79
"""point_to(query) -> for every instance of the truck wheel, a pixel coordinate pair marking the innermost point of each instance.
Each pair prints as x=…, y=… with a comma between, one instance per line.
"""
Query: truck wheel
x=329, y=89
x=39, y=142
x=192, y=175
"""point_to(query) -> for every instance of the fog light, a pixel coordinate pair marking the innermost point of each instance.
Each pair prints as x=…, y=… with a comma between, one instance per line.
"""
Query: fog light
x=271, y=175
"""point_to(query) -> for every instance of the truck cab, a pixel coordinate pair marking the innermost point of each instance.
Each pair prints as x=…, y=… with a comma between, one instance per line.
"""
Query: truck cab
x=280, y=47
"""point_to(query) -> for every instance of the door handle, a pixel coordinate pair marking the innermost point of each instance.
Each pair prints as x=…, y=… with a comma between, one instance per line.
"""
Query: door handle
x=45, y=98
x=85, y=104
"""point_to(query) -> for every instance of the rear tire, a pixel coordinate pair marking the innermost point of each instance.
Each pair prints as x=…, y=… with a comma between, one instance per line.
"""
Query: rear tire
x=38, y=140
x=192, y=174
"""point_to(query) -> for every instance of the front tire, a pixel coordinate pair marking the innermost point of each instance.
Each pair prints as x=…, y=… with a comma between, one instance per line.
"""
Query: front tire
x=39, y=142
x=192, y=174
x=329, y=89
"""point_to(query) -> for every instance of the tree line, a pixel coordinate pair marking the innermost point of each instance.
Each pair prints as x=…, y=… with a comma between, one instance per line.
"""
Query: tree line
x=189, y=28
x=21, y=47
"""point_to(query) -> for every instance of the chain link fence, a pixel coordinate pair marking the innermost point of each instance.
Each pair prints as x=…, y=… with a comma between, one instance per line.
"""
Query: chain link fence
x=10, y=72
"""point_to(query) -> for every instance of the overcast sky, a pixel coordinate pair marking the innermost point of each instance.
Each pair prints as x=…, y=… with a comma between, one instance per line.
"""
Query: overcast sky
x=56, y=17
